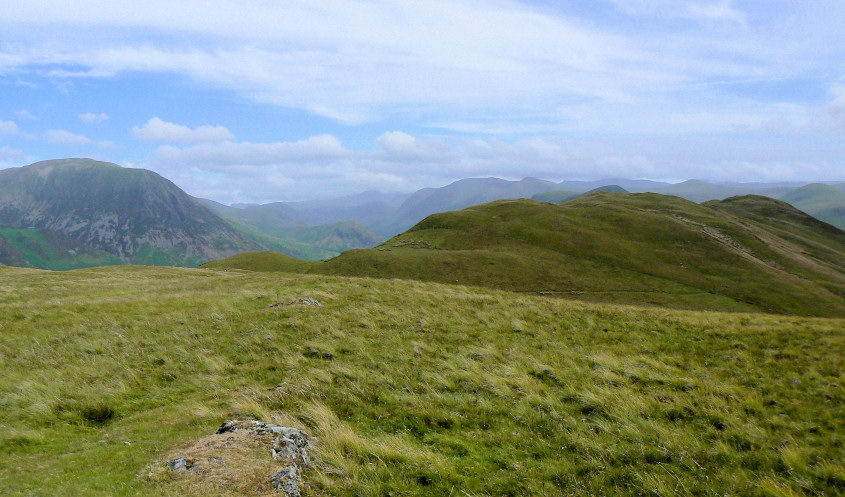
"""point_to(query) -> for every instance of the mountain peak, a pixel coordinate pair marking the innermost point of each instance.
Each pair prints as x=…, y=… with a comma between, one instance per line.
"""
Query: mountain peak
x=107, y=211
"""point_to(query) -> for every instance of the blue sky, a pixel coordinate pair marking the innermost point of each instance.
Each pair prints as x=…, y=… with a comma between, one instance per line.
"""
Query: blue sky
x=256, y=101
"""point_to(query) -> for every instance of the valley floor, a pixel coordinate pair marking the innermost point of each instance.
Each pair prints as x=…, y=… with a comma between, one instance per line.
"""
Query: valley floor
x=410, y=388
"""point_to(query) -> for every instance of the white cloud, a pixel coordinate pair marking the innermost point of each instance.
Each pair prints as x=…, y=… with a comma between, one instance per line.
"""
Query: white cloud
x=720, y=11
x=10, y=154
x=570, y=91
x=63, y=137
x=230, y=154
x=402, y=146
x=25, y=114
x=836, y=108
x=90, y=117
x=8, y=127
x=702, y=10
x=156, y=130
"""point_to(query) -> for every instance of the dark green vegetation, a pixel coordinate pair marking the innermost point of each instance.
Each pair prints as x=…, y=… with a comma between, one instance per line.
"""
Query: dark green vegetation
x=743, y=254
x=45, y=249
x=825, y=202
x=426, y=389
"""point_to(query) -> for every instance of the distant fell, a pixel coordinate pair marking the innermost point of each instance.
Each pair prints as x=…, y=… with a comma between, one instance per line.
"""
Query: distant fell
x=825, y=202
x=60, y=213
x=458, y=195
x=702, y=191
x=365, y=208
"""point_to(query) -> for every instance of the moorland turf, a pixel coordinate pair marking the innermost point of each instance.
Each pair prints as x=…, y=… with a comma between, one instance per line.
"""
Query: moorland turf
x=427, y=389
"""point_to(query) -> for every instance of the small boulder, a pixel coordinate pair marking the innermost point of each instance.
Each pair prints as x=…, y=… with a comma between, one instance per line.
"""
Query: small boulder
x=315, y=353
x=180, y=464
x=287, y=480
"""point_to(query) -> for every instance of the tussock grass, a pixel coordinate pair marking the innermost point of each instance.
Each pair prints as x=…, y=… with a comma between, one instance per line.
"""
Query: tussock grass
x=430, y=389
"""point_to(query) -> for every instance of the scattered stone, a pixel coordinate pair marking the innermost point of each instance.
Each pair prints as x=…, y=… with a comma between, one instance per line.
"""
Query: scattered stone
x=301, y=301
x=180, y=464
x=287, y=481
x=217, y=460
x=314, y=353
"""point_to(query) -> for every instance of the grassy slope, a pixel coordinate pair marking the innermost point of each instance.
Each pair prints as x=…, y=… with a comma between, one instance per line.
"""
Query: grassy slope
x=48, y=250
x=37, y=248
x=640, y=249
x=261, y=261
x=432, y=390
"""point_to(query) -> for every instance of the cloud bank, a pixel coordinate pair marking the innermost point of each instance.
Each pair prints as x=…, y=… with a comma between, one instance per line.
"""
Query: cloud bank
x=400, y=95
x=156, y=130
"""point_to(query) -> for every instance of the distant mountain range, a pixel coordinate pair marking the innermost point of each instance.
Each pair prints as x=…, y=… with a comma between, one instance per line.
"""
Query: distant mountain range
x=78, y=212
x=390, y=214
x=750, y=253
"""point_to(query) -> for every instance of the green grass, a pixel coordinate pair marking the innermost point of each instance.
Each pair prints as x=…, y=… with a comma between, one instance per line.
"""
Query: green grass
x=432, y=390
x=265, y=261
x=37, y=248
x=644, y=249
x=555, y=196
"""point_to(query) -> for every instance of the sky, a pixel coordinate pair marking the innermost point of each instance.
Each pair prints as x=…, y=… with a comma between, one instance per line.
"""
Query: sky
x=264, y=100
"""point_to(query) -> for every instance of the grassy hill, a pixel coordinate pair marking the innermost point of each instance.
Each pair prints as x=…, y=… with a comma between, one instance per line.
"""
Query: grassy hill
x=825, y=202
x=416, y=389
x=458, y=195
x=636, y=248
x=560, y=196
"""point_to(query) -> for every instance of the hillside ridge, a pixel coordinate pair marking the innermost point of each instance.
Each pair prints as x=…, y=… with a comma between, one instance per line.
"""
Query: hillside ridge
x=642, y=248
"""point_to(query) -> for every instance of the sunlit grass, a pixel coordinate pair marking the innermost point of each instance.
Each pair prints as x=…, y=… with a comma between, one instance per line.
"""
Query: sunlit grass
x=429, y=389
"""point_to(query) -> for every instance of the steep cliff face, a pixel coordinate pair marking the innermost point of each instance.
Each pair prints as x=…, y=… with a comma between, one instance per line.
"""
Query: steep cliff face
x=99, y=207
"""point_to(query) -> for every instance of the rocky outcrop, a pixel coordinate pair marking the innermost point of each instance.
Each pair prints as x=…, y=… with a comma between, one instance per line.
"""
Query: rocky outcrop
x=242, y=447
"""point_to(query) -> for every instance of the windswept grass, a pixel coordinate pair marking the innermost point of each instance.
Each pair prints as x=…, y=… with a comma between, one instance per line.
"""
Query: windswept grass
x=424, y=389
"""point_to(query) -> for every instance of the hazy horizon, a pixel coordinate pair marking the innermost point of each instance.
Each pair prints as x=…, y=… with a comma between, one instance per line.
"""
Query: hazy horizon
x=252, y=102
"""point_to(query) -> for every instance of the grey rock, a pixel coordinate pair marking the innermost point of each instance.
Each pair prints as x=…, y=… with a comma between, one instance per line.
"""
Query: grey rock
x=288, y=443
x=180, y=464
x=301, y=301
x=287, y=480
